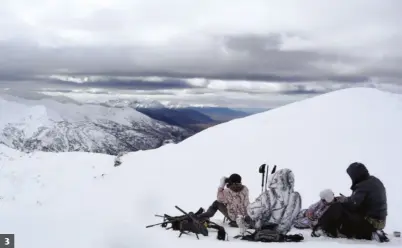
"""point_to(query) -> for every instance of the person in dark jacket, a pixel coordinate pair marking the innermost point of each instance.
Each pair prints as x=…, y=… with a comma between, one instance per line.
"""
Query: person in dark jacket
x=363, y=214
x=369, y=198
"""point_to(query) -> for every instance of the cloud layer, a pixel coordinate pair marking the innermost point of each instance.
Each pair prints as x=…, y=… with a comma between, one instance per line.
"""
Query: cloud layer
x=254, y=46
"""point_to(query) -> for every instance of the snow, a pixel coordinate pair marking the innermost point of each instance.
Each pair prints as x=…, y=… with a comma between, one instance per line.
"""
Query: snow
x=62, y=200
x=36, y=113
x=7, y=153
x=29, y=118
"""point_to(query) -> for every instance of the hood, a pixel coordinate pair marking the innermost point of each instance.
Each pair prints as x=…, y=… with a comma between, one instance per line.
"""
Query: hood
x=283, y=180
x=236, y=187
x=357, y=173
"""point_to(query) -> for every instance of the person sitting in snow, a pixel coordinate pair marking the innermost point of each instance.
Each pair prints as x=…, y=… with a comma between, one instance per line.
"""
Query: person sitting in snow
x=361, y=215
x=232, y=201
x=279, y=205
x=308, y=218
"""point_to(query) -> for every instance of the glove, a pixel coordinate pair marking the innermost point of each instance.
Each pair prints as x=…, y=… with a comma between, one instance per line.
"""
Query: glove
x=222, y=182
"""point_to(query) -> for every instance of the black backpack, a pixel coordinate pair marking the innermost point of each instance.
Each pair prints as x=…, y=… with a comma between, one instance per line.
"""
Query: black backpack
x=184, y=223
x=191, y=224
x=269, y=234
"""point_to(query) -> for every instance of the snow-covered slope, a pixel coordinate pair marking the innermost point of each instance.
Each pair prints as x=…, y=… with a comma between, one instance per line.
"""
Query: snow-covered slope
x=62, y=200
x=49, y=125
x=7, y=153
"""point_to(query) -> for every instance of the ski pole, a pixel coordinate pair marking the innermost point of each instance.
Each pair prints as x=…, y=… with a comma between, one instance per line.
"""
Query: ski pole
x=272, y=172
x=266, y=178
x=261, y=169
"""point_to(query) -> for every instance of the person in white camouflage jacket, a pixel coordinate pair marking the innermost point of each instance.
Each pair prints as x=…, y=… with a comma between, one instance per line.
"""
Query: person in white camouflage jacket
x=278, y=205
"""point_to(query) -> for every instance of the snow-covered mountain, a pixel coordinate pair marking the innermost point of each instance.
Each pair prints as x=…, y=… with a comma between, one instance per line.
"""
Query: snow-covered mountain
x=81, y=200
x=48, y=125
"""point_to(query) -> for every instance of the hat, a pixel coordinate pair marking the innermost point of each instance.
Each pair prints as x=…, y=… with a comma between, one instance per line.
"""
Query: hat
x=327, y=195
x=234, y=178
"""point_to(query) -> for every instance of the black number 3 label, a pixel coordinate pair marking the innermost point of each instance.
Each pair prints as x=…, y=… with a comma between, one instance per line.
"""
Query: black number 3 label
x=7, y=241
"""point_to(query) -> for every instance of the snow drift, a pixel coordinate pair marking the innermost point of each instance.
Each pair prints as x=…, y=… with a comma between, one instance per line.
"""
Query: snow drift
x=86, y=202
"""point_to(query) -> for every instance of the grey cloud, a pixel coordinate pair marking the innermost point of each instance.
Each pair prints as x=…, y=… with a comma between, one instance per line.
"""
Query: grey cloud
x=262, y=61
x=254, y=44
x=265, y=61
x=300, y=90
x=115, y=83
x=308, y=48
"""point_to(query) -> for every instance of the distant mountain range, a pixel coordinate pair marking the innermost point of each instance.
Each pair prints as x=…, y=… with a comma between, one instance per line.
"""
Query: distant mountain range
x=221, y=114
x=195, y=118
x=110, y=127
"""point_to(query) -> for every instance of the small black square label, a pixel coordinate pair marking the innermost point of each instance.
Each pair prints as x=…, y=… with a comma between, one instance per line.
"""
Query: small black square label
x=7, y=241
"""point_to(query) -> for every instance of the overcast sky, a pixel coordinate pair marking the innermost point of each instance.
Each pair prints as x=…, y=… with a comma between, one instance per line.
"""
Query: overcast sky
x=231, y=52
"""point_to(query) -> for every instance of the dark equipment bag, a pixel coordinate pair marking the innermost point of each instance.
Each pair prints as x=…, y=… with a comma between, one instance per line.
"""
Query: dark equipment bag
x=189, y=223
x=268, y=234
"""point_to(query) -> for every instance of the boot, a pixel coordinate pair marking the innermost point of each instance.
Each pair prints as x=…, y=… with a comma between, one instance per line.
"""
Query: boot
x=380, y=236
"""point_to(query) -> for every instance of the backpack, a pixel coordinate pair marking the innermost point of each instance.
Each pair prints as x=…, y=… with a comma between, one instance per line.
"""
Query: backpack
x=185, y=224
x=268, y=234
x=191, y=224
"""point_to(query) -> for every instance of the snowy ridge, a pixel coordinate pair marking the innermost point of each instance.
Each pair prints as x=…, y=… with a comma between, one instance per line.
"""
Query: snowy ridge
x=57, y=111
x=48, y=125
x=137, y=103
x=151, y=103
x=176, y=105
x=109, y=207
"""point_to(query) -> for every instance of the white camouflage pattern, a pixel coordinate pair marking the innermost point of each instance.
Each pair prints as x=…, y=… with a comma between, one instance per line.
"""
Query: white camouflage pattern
x=279, y=204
